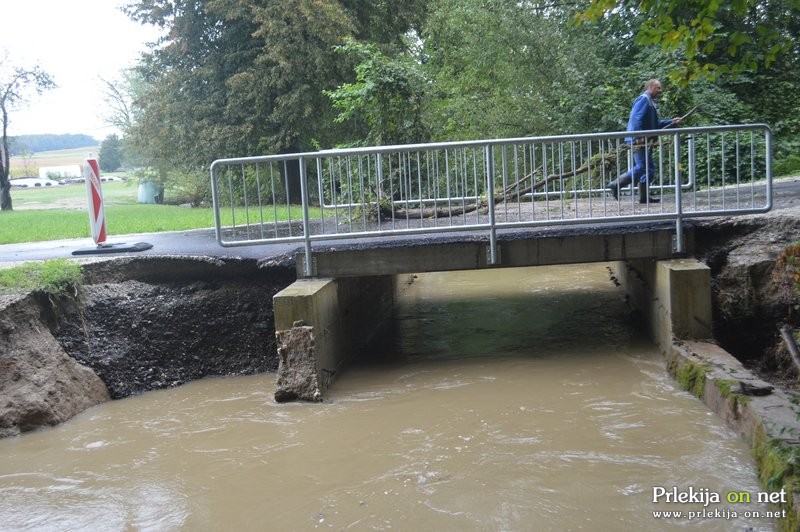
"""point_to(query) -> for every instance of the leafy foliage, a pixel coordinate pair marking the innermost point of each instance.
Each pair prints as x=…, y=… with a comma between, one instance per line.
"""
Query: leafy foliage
x=509, y=69
x=713, y=38
x=387, y=95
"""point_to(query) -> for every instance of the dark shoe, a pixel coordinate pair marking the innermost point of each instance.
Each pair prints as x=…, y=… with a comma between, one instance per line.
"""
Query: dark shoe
x=643, y=198
x=617, y=184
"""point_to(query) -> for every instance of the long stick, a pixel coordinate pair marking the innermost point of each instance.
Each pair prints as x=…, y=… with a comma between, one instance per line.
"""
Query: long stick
x=692, y=111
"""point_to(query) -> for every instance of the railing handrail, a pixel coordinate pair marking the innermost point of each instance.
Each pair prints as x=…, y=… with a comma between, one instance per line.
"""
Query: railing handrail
x=483, y=155
x=426, y=146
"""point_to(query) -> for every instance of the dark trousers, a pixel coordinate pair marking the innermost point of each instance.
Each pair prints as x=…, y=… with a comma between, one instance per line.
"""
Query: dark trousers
x=643, y=166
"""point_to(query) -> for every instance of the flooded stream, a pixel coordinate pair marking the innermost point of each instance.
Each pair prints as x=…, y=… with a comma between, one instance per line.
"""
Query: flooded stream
x=508, y=400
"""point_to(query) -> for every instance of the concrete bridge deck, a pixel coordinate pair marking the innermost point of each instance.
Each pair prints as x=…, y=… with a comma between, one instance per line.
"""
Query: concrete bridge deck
x=516, y=248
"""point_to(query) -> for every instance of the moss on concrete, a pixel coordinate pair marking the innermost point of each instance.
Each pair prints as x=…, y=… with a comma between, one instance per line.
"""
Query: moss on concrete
x=734, y=398
x=779, y=468
x=691, y=376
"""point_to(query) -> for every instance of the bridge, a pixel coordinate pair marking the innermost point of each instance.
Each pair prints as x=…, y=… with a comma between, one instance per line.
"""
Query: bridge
x=364, y=218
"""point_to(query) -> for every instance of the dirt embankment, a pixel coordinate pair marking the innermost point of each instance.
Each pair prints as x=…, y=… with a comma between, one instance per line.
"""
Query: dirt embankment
x=40, y=384
x=749, y=302
x=137, y=325
x=146, y=323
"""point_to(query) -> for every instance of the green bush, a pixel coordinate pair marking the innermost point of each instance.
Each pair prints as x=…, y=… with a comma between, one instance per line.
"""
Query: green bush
x=789, y=165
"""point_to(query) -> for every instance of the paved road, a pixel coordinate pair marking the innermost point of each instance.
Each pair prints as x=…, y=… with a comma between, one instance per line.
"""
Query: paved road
x=202, y=242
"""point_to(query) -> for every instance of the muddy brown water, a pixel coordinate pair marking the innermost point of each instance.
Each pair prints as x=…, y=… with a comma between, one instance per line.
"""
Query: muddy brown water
x=525, y=400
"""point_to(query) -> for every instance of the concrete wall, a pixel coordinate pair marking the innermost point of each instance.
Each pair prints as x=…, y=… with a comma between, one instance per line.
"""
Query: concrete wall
x=323, y=323
x=674, y=297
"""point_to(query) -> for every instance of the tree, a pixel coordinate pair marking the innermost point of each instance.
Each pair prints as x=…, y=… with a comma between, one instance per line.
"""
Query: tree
x=711, y=38
x=246, y=77
x=15, y=85
x=502, y=69
x=119, y=95
x=110, y=156
x=387, y=95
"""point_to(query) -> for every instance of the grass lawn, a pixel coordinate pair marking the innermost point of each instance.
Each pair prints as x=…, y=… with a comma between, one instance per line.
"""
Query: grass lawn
x=33, y=225
x=56, y=213
x=72, y=196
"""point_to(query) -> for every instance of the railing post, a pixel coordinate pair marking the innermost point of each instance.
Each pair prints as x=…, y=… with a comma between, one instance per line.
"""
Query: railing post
x=692, y=164
x=215, y=202
x=678, y=248
x=308, y=270
x=490, y=199
x=768, y=165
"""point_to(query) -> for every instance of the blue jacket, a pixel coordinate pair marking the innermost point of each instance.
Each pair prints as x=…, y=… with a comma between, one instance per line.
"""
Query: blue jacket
x=644, y=115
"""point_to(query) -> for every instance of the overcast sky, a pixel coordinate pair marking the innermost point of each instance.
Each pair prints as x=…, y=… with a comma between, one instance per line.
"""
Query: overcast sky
x=77, y=42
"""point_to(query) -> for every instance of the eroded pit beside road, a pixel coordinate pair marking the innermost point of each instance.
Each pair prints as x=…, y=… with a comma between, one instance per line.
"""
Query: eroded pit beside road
x=138, y=324
x=179, y=322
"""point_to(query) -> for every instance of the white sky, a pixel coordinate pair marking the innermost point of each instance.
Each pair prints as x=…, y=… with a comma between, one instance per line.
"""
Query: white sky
x=77, y=42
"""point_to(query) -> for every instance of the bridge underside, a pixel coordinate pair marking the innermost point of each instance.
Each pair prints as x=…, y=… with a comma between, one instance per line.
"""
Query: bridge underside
x=323, y=321
x=463, y=251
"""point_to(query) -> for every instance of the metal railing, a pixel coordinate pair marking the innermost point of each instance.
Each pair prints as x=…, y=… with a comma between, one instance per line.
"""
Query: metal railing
x=487, y=186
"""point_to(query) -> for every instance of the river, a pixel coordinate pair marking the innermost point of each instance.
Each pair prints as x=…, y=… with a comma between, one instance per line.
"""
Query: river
x=495, y=400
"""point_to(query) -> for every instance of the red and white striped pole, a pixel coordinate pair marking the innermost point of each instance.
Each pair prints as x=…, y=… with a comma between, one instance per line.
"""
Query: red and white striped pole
x=94, y=193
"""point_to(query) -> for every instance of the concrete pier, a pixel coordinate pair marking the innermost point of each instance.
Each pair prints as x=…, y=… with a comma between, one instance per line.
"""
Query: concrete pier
x=321, y=324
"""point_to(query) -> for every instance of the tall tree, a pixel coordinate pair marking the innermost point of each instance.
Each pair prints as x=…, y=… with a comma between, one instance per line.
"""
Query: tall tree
x=244, y=77
x=16, y=83
x=236, y=77
x=110, y=156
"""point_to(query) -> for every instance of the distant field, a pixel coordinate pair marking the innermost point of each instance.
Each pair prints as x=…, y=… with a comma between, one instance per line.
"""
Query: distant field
x=29, y=165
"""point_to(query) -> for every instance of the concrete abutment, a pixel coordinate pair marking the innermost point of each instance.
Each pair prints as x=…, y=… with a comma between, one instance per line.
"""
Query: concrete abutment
x=323, y=323
x=674, y=297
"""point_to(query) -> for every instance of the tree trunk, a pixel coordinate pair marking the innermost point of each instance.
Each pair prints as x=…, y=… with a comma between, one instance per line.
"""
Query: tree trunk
x=5, y=168
x=5, y=194
x=515, y=190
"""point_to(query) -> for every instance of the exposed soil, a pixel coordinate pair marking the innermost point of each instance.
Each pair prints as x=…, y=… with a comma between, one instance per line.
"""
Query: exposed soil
x=750, y=302
x=39, y=383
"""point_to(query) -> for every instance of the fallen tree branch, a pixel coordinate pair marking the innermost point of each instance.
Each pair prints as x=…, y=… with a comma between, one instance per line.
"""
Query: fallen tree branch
x=791, y=345
x=513, y=191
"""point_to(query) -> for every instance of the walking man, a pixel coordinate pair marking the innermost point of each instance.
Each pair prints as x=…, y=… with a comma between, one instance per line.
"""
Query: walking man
x=644, y=116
